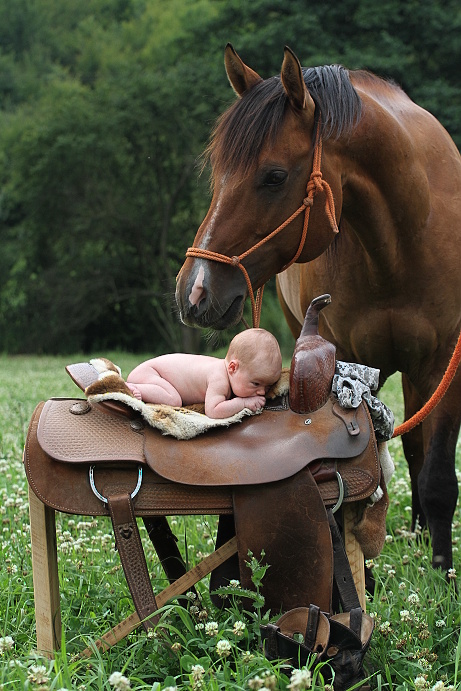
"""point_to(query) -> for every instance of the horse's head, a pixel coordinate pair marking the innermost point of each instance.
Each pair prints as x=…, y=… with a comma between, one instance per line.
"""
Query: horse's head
x=261, y=156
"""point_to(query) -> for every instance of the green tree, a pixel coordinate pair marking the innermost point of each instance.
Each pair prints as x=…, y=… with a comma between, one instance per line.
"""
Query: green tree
x=105, y=108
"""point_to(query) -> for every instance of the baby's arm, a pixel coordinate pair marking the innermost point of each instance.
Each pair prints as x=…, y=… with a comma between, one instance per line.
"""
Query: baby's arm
x=217, y=405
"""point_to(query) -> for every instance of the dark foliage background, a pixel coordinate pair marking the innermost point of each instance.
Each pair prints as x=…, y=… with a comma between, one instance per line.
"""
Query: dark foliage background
x=105, y=107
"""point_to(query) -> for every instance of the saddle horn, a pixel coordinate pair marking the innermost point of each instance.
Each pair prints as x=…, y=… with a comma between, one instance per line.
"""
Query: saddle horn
x=313, y=363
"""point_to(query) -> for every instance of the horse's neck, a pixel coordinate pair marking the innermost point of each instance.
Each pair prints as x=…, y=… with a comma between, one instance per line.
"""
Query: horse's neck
x=384, y=182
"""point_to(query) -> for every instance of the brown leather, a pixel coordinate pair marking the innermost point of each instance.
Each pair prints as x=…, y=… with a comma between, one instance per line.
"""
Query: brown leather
x=312, y=364
x=275, y=518
x=237, y=455
x=297, y=621
x=76, y=434
x=65, y=486
x=242, y=454
x=132, y=557
x=72, y=430
x=82, y=439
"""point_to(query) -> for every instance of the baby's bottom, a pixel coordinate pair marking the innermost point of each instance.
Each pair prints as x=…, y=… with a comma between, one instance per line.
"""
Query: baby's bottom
x=147, y=385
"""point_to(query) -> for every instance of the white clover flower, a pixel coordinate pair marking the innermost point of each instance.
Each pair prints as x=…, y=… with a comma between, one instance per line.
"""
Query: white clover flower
x=197, y=672
x=239, y=628
x=211, y=628
x=234, y=583
x=300, y=679
x=451, y=573
x=440, y=623
x=223, y=648
x=6, y=643
x=255, y=683
x=170, y=688
x=200, y=626
x=247, y=657
x=438, y=686
x=270, y=680
x=119, y=681
x=405, y=615
x=37, y=674
x=413, y=599
x=420, y=682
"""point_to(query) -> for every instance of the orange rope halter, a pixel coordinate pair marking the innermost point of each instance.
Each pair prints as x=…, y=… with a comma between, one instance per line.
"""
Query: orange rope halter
x=315, y=184
x=436, y=397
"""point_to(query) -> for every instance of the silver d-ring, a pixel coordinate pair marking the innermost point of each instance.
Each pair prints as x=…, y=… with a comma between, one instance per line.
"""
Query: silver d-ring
x=103, y=499
x=341, y=493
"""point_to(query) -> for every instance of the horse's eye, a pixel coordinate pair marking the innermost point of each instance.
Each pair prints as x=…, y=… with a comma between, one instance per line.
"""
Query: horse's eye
x=275, y=177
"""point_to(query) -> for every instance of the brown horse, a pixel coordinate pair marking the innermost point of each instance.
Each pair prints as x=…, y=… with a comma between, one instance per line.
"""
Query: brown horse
x=393, y=269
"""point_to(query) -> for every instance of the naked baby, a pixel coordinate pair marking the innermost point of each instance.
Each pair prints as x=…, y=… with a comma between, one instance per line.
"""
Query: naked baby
x=241, y=380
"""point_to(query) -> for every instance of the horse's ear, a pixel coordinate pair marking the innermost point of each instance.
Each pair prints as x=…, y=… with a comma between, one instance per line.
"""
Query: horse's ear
x=241, y=77
x=293, y=82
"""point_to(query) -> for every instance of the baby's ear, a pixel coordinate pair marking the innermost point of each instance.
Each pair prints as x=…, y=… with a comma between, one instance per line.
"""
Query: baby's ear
x=232, y=366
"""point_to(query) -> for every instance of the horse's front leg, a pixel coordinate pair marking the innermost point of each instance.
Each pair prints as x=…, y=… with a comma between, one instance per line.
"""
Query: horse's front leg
x=430, y=450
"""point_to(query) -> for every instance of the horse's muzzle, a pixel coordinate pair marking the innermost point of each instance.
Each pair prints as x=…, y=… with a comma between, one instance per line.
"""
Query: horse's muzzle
x=207, y=315
x=210, y=298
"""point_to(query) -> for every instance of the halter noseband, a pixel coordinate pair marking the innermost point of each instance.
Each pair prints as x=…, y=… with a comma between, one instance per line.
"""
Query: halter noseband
x=315, y=184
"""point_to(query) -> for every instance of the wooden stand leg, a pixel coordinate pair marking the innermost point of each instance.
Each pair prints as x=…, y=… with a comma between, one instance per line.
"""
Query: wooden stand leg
x=354, y=552
x=45, y=576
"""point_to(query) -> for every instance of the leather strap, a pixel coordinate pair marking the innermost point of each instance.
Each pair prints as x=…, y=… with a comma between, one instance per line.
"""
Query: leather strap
x=131, y=553
x=312, y=625
x=342, y=570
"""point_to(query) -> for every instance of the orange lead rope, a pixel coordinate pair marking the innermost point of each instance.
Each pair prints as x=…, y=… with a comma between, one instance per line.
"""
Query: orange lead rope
x=436, y=397
x=315, y=184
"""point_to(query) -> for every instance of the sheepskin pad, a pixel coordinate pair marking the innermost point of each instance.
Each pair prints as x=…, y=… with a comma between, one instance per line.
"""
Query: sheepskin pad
x=182, y=423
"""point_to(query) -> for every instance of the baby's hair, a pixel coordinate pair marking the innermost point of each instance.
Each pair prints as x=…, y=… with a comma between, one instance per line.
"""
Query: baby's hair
x=251, y=344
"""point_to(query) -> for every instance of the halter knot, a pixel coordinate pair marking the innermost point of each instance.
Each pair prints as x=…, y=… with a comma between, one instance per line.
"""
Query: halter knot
x=308, y=201
x=235, y=261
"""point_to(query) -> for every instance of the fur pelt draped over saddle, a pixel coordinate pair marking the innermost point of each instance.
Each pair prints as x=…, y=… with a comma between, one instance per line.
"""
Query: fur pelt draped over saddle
x=277, y=479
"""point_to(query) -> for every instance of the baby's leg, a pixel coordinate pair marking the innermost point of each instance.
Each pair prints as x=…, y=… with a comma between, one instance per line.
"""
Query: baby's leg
x=147, y=385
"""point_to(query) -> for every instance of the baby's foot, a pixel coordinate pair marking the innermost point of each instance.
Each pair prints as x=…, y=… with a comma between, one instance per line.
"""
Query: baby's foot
x=135, y=391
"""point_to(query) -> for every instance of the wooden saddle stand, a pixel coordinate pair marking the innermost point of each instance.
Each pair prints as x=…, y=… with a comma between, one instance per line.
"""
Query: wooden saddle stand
x=277, y=480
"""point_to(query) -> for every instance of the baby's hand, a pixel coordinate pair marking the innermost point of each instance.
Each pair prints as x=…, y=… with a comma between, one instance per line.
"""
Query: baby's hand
x=255, y=402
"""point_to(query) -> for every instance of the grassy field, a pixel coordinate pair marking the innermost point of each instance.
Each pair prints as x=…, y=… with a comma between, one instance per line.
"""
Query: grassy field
x=416, y=643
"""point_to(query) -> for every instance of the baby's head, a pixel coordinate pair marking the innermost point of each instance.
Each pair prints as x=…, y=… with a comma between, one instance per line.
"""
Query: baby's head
x=254, y=362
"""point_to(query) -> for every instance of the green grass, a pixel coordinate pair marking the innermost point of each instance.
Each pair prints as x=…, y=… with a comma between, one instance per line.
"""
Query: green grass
x=416, y=643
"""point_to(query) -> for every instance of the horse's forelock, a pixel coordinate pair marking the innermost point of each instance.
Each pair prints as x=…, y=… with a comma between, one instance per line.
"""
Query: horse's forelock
x=242, y=130
x=256, y=118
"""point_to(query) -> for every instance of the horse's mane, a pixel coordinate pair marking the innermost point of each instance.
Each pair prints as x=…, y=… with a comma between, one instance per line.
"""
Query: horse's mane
x=256, y=118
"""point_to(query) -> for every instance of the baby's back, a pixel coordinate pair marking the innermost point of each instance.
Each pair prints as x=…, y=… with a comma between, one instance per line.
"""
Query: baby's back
x=190, y=374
